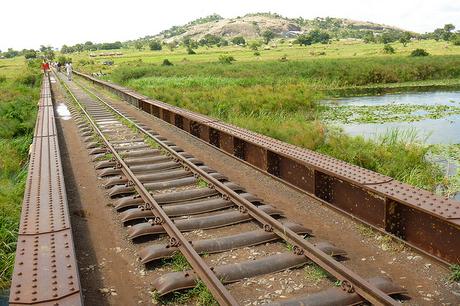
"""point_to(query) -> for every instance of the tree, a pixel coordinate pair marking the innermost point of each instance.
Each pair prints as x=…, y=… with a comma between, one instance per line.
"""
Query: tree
x=255, y=45
x=318, y=36
x=190, y=43
x=49, y=54
x=110, y=46
x=304, y=40
x=368, y=37
x=314, y=36
x=447, y=34
x=449, y=27
x=155, y=45
x=11, y=53
x=444, y=33
x=456, y=39
x=62, y=60
x=209, y=40
x=138, y=45
x=405, y=38
x=190, y=51
x=66, y=49
x=239, y=40
x=223, y=42
x=30, y=54
x=268, y=35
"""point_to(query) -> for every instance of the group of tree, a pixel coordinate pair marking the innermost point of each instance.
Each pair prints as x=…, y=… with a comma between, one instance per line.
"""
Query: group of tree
x=155, y=45
x=445, y=33
x=44, y=52
x=313, y=37
x=213, y=40
x=90, y=46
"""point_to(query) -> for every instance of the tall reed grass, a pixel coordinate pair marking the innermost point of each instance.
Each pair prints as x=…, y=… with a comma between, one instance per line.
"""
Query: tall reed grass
x=19, y=94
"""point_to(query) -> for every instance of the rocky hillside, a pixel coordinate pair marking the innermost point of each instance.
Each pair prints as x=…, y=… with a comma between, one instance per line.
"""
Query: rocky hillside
x=252, y=26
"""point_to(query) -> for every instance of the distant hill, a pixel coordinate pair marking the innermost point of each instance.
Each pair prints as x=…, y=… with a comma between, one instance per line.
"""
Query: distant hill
x=251, y=26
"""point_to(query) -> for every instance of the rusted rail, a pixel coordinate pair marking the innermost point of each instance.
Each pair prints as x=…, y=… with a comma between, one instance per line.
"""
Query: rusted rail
x=425, y=221
x=348, y=278
x=45, y=269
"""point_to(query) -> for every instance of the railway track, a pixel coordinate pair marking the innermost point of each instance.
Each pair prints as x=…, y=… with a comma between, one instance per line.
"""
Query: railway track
x=161, y=191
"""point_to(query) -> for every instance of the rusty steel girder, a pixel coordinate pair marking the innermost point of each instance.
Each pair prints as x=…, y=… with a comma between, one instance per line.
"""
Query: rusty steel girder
x=45, y=269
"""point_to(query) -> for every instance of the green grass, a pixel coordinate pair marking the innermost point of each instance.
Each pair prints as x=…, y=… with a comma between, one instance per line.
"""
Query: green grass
x=200, y=183
x=280, y=98
x=177, y=262
x=454, y=273
x=199, y=295
x=452, y=153
x=19, y=94
x=314, y=274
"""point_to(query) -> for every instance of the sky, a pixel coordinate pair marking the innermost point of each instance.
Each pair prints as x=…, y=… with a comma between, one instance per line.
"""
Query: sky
x=29, y=24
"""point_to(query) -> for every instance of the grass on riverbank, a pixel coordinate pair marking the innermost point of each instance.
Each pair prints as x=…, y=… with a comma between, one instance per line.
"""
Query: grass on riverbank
x=19, y=93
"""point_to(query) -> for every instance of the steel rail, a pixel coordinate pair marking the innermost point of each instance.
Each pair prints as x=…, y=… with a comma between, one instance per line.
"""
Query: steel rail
x=351, y=281
x=218, y=290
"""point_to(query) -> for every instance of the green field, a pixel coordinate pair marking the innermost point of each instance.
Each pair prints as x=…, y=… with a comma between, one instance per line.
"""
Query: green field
x=19, y=94
x=276, y=93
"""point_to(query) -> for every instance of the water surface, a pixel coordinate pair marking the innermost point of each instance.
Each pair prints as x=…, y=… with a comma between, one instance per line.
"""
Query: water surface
x=444, y=130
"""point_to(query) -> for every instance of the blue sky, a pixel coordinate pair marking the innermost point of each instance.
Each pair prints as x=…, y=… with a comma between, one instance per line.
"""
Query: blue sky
x=28, y=24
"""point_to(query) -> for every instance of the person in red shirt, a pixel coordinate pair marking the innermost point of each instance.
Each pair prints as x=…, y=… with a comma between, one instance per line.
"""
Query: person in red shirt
x=45, y=66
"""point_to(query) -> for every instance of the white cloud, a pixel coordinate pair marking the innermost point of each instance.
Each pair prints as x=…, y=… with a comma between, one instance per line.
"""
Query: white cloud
x=28, y=24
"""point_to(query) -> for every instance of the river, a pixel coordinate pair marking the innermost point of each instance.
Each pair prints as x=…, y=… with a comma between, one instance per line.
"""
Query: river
x=434, y=116
x=443, y=130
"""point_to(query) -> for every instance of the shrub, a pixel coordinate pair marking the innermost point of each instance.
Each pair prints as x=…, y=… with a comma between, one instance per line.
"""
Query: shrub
x=62, y=60
x=268, y=35
x=257, y=53
x=155, y=45
x=2, y=79
x=456, y=40
x=28, y=79
x=166, y=62
x=255, y=45
x=34, y=63
x=84, y=62
x=419, y=52
x=226, y=59
x=388, y=49
x=190, y=51
x=239, y=40
x=30, y=54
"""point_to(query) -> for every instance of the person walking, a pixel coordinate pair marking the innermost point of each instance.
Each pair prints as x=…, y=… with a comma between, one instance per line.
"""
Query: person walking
x=68, y=68
x=45, y=66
